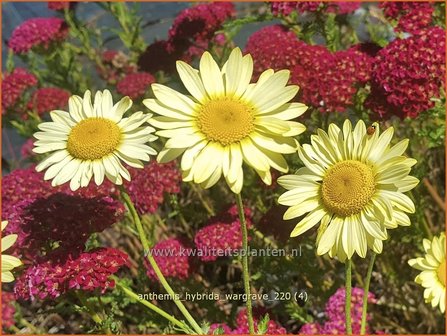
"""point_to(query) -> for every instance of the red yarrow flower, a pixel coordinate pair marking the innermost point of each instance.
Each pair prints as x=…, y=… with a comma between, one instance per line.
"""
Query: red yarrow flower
x=8, y=310
x=194, y=28
x=148, y=185
x=273, y=328
x=43, y=223
x=88, y=271
x=59, y=5
x=47, y=99
x=37, y=32
x=328, y=81
x=407, y=73
x=287, y=7
x=135, y=85
x=222, y=235
x=172, y=257
x=411, y=16
x=14, y=86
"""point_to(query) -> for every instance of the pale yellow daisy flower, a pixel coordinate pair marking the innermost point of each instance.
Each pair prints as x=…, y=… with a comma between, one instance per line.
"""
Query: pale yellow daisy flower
x=92, y=140
x=227, y=121
x=432, y=277
x=8, y=262
x=353, y=184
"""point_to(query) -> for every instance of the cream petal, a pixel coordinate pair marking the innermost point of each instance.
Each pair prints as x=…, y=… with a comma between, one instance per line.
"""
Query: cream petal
x=235, y=163
x=118, y=110
x=184, y=140
x=75, y=108
x=207, y=161
x=169, y=154
x=87, y=106
x=330, y=236
x=308, y=222
x=98, y=173
x=253, y=156
x=168, y=111
x=211, y=76
x=173, y=99
x=302, y=208
x=191, y=79
x=191, y=153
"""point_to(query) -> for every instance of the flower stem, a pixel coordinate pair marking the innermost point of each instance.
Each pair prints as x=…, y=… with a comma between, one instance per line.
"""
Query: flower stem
x=150, y=258
x=348, y=297
x=153, y=307
x=365, y=293
x=245, y=271
x=94, y=315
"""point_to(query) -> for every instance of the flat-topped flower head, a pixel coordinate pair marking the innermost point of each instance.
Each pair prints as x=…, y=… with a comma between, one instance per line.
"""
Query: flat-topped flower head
x=227, y=121
x=92, y=140
x=433, y=267
x=353, y=184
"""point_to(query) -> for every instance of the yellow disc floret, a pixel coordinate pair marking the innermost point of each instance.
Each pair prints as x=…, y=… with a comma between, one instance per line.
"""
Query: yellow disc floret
x=93, y=139
x=226, y=120
x=347, y=187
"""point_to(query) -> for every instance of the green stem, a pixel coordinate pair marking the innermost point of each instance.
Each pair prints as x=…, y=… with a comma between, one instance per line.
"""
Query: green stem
x=153, y=307
x=153, y=263
x=245, y=272
x=348, y=297
x=94, y=315
x=365, y=293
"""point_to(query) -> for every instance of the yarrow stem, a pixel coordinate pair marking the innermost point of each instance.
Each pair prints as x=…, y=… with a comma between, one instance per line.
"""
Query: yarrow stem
x=348, y=266
x=245, y=271
x=150, y=258
x=94, y=315
x=153, y=307
x=365, y=293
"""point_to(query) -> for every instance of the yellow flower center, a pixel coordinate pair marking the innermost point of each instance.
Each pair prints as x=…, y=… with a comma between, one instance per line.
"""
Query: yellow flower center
x=441, y=272
x=93, y=138
x=347, y=187
x=226, y=120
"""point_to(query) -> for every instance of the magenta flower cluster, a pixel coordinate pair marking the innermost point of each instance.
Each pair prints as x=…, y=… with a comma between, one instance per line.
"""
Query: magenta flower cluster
x=287, y=7
x=189, y=36
x=328, y=81
x=407, y=73
x=173, y=258
x=411, y=16
x=8, y=310
x=47, y=99
x=335, y=323
x=88, y=271
x=148, y=185
x=273, y=328
x=222, y=235
x=14, y=85
x=135, y=85
x=37, y=33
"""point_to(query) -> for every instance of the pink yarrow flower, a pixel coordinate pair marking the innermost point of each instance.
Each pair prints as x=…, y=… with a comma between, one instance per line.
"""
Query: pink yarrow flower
x=135, y=85
x=47, y=99
x=37, y=32
x=14, y=86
